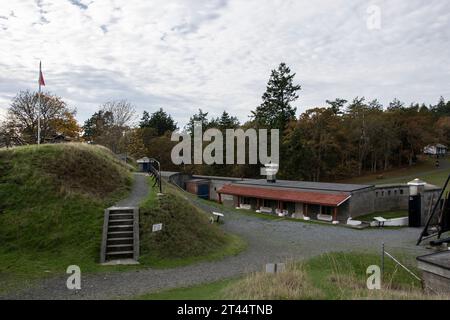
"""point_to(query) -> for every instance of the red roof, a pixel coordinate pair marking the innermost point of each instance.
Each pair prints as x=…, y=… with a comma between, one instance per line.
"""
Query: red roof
x=320, y=198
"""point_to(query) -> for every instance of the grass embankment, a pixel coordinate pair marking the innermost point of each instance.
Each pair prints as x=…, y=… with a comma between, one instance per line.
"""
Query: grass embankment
x=424, y=170
x=52, y=199
x=330, y=276
x=187, y=235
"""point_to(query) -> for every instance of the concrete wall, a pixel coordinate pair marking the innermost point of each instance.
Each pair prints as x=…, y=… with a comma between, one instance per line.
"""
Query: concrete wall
x=360, y=203
x=388, y=198
x=216, y=184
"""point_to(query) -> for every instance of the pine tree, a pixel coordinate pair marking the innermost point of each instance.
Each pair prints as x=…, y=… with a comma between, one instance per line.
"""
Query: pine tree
x=276, y=111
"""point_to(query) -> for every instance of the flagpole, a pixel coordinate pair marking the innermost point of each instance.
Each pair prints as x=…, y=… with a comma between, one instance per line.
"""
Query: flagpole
x=39, y=107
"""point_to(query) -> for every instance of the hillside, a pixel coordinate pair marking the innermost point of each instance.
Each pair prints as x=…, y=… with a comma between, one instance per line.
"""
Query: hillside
x=187, y=234
x=51, y=207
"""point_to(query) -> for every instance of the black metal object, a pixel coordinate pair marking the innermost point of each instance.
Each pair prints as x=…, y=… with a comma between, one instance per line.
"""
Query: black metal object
x=155, y=173
x=436, y=243
x=414, y=211
x=444, y=212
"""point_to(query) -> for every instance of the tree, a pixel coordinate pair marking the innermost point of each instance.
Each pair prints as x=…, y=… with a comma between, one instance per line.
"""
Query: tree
x=396, y=105
x=109, y=125
x=121, y=113
x=276, y=111
x=55, y=117
x=337, y=105
x=96, y=125
x=159, y=120
x=200, y=117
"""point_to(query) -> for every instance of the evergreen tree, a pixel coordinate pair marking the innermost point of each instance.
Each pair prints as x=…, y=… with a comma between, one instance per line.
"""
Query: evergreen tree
x=276, y=110
x=159, y=120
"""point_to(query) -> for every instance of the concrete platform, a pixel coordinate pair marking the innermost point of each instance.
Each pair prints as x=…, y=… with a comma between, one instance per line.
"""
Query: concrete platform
x=124, y=262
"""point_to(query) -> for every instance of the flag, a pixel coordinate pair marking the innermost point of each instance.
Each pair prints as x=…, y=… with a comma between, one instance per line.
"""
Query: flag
x=41, y=76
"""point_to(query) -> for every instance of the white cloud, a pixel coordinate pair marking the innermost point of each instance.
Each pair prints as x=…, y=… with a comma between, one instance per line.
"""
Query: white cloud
x=216, y=55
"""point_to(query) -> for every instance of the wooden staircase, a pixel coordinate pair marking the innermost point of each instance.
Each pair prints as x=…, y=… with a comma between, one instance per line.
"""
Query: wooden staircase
x=120, y=234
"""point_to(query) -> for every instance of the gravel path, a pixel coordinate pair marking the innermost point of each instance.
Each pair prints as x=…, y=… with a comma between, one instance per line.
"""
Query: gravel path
x=138, y=192
x=268, y=241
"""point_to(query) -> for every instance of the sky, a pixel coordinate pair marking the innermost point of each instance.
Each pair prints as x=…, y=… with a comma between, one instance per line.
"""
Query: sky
x=217, y=54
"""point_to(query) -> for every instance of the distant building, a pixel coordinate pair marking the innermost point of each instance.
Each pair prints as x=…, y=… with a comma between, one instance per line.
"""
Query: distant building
x=199, y=187
x=58, y=138
x=144, y=164
x=436, y=150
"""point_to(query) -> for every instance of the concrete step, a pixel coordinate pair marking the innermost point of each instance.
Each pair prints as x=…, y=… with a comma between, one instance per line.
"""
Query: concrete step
x=121, y=239
x=121, y=222
x=119, y=245
x=120, y=236
x=121, y=217
x=115, y=253
x=119, y=232
x=120, y=228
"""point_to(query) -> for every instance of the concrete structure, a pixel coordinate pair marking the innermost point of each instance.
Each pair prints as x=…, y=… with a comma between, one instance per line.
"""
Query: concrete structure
x=144, y=164
x=120, y=239
x=436, y=272
x=327, y=201
x=199, y=187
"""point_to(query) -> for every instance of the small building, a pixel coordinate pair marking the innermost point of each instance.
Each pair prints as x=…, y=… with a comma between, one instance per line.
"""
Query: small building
x=335, y=202
x=299, y=199
x=58, y=138
x=436, y=272
x=144, y=164
x=436, y=150
x=199, y=187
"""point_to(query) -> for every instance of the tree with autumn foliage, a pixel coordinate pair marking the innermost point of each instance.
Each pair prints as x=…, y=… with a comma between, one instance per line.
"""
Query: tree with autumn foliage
x=55, y=117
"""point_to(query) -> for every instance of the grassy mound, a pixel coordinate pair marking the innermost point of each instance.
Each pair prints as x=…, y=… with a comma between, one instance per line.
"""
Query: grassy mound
x=187, y=235
x=330, y=276
x=51, y=206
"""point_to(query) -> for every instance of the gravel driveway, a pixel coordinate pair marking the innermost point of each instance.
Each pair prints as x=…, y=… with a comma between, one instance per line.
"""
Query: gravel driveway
x=268, y=241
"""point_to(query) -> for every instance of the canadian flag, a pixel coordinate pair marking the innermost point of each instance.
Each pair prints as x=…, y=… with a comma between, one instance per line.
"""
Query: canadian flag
x=41, y=76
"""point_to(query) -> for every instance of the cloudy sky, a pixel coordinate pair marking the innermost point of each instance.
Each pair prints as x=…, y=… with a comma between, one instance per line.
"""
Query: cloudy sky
x=217, y=54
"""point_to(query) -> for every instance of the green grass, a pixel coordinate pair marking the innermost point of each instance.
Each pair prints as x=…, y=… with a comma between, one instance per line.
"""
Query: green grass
x=424, y=170
x=329, y=276
x=386, y=215
x=343, y=275
x=187, y=236
x=52, y=199
x=255, y=214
